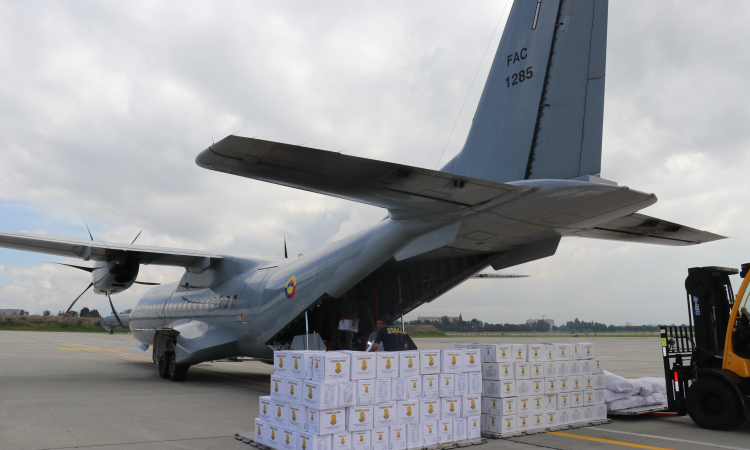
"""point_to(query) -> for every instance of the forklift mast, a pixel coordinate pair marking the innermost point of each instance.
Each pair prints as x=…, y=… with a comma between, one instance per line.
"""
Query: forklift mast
x=710, y=299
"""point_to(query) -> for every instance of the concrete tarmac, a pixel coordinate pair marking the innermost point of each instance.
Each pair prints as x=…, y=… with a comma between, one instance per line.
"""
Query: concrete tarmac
x=98, y=391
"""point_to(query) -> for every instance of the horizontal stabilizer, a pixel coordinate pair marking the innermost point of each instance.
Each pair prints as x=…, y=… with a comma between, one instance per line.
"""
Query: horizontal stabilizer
x=648, y=230
x=413, y=191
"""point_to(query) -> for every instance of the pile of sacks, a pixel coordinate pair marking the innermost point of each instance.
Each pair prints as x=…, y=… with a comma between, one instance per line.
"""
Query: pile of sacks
x=623, y=393
x=371, y=401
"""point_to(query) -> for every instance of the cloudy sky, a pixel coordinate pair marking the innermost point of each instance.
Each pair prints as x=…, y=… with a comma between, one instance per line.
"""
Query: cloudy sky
x=104, y=106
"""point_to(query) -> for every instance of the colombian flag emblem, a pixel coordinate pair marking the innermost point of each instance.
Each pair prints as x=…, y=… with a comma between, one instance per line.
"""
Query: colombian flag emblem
x=291, y=286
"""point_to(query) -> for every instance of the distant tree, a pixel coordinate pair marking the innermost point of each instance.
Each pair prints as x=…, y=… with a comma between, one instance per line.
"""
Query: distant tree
x=460, y=319
x=95, y=313
x=85, y=312
x=540, y=325
x=60, y=313
x=73, y=314
x=445, y=320
x=46, y=312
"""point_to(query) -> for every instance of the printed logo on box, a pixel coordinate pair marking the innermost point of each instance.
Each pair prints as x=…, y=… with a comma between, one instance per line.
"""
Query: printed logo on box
x=361, y=438
x=367, y=389
x=387, y=363
x=304, y=443
x=338, y=367
x=473, y=405
x=343, y=440
x=364, y=365
x=273, y=434
x=316, y=364
x=265, y=410
x=453, y=361
x=452, y=408
x=276, y=386
x=414, y=384
x=296, y=365
x=471, y=359
x=294, y=415
x=309, y=393
x=410, y=364
x=408, y=411
x=361, y=417
x=385, y=414
x=278, y=413
x=258, y=430
x=430, y=408
x=291, y=389
x=281, y=362
x=333, y=419
x=432, y=363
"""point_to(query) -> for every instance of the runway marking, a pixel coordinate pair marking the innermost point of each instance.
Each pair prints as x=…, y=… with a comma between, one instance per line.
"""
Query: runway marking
x=92, y=348
x=669, y=439
x=607, y=441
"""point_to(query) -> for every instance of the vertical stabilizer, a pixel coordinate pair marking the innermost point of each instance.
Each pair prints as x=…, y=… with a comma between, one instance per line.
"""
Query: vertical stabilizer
x=541, y=111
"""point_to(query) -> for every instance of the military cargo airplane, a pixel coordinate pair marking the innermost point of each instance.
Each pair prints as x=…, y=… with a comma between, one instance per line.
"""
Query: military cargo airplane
x=111, y=323
x=527, y=176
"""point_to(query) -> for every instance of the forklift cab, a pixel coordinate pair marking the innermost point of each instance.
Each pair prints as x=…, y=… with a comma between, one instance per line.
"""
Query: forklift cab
x=737, y=351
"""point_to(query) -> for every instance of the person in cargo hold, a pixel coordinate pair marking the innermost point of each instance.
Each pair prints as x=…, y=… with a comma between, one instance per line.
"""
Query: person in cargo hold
x=392, y=338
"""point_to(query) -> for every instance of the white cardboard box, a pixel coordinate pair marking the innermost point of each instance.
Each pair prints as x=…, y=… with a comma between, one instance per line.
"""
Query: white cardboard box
x=473, y=428
x=597, y=365
x=471, y=405
x=460, y=383
x=537, y=353
x=472, y=361
x=459, y=430
x=278, y=384
x=451, y=361
x=576, y=399
x=273, y=437
x=588, y=381
x=600, y=412
x=387, y=364
x=550, y=369
x=429, y=362
x=491, y=370
x=408, y=411
x=347, y=393
x=574, y=367
x=408, y=365
x=493, y=405
x=430, y=385
x=301, y=365
x=288, y=438
x=536, y=387
x=550, y=402
x=280, y=362
x=551, y=385
x=599, y=380
x=398, y=389
x=397, y=437
x=563, y=400
x=446, y=382
x=380, y=439
x=382, y=390
x=320, y=394
x=523, y=406
x=523, y=387
x=563, y=368
x=265, y=405
x=326, y=422
x=429, y=409
x=445, y=431
x=537, y=420
x=536, y=370
x=599, y=397
x=474, y=383
x=589, y=398
x=519, y=352
x=260, y=431
x=538, y=403
x=361, y=440
x=331, y=366
x=507, y=371
x=561, y=352
x=450, y=407
x=522, y=370
x=385, y=415
x=563, y=416
x=360, y=418
x=280, y=412
x=524, y=422
x=349, y=325
x=429, y=433
x=298, y=417
x=576, y=382
x=587, y=350
x=551, y=419
x=413, y=435
x=565, y=385
x=293, y=390
x=363, y=366
x=414, y=387
x=588, y=413
x=311, y=441
x=577, y=352
x=365, y=392
x=504, y=353
x=484, y=405
x=509, y=407
x=575, y=416
x=587, y=367
x=341, y=441
x=509, y=425
x=507, y=388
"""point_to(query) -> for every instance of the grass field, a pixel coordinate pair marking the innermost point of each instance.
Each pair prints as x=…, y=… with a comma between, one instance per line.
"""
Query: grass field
x=51, y=323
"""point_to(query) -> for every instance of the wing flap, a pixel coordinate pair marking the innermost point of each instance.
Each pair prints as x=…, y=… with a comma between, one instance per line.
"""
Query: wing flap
x=648, y=230
x=101, y=251
x=387, y=185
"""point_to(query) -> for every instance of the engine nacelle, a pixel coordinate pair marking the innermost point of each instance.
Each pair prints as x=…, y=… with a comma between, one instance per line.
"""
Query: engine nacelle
x=111, y=277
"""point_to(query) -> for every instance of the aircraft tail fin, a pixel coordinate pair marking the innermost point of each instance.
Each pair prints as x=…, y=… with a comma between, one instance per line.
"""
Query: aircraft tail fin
x=541, y=111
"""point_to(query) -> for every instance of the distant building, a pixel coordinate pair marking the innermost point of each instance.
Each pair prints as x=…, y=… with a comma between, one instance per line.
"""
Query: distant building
x=551, y=322
x=629, y=324
x=438, y=319
x=12, y=312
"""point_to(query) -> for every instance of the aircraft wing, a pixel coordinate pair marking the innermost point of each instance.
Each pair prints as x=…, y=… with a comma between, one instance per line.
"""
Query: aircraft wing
x=405, y=191
x=105, y=251
x=648, y=230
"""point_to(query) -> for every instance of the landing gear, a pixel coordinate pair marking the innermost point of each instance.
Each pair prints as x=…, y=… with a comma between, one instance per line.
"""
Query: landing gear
x=163, y=364
x=177, y=372
x=111, y=331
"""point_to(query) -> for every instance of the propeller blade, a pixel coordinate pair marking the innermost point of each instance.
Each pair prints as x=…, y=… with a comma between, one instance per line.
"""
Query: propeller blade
x=147, y=284
x=136, y=237
x=286, y=256
x=74, y=301
x=115, y=312
x=87, y=269
x=87, y=228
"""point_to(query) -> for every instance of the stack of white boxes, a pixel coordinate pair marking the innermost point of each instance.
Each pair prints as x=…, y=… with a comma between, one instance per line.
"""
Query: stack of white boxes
x=371, y=401
x=534, y=387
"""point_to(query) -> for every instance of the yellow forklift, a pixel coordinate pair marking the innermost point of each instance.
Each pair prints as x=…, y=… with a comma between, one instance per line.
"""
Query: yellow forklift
x=707, y=363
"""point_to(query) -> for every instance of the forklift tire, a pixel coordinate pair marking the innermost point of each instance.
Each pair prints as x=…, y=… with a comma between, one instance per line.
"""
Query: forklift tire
x=697, y=284
x=714, y=405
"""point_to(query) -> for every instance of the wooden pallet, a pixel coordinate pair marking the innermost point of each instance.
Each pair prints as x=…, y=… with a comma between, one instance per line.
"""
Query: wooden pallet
x=247, y=438
x=544, y=430
x=638, y=410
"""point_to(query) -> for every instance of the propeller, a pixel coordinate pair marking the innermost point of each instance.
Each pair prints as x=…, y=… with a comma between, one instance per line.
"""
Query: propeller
x=115, y=312
x=74, y=301
x=286, y=256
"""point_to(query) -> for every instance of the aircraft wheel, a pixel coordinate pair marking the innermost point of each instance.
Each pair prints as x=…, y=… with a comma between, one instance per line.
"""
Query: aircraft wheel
x=163, y=363
x=714, y=405
x=177, y=372
x=111, y=331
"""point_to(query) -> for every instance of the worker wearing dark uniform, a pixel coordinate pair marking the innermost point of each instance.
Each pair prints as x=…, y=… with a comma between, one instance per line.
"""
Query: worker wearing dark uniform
x=392, y=338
